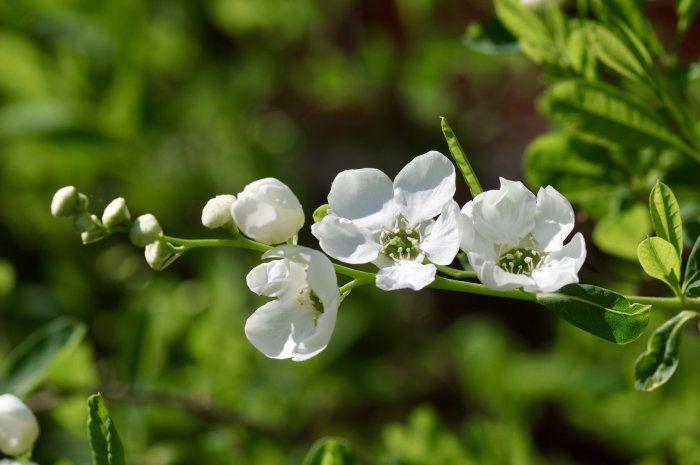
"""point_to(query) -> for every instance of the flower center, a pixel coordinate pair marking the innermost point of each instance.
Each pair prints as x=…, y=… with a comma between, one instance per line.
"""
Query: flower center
x=520, y=261
x=400, y=243
x=308, y=299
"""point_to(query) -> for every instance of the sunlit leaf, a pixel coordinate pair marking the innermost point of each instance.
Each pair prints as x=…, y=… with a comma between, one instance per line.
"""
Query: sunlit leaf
x=666, y=217
x=603, y=114
x=29, y=363
x=627, y=14
x=331, y=451
x=616, y=53
x=619, y=233
x=490, y=38
x=687, y=9
x=531, y=31
x=104, y=440
x=598, y=311
x=659, y=259
x=656, y=366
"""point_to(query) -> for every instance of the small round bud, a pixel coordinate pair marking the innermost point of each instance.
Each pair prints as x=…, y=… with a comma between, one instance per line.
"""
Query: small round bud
x=89, y=227
x=67, y=201
x=19, y=429
x=116, y=212
x=217, y=212
x=160, y=254
x=145, y=230
x=268, y=211
x=320, y=212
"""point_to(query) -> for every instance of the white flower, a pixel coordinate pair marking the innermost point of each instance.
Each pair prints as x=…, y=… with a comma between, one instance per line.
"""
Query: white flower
x=116, y=212
x=516, y=240
x=299, y=323
x=145, y=230
x=217, y=212
x=268, y=211
x=19, y=429
x=371, y=219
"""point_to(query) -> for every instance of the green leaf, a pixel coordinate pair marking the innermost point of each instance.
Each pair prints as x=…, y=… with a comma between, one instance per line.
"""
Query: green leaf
x=535, y=40
x=602, y=114
x=666, y=217
x=321, y=212
x=691, y=283
x=28, y=364
x=687, y=9
x=617, y=54
x=598, y=311
x=627, y=14
x=461, y=159
x=583, y=173
x=490, y=38
x=331, y=451
x=104, y=440
x=619, y=234
x=8, y=277
x=659, y=259
x=656, y=366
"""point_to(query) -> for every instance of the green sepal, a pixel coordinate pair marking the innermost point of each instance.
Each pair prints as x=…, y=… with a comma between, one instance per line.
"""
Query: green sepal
x=666, y=217
x=104, y=440
x=331, y=451
x=656, y=366
x=461, y=159
x=598, y=311
x=659, y=259
x=321, y=212
x=691, y=283
x=29, y=363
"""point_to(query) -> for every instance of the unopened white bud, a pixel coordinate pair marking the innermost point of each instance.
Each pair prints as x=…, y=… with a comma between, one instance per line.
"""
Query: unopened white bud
x=67, y=201
x=116, y=212
x=145, y=230
x=160, y=254
x=217, y=212
x=19, y=429
x=268, y=211
x=90, y=227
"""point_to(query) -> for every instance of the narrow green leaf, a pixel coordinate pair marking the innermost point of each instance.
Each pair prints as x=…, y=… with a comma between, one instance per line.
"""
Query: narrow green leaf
x=461, y=159
x=619, y=233
x=104, y=440
x=628, y=14
x=598, y=311
x=331, y=451
x=490, y=38
x=659, y=259
x=666, y=217
x=617, y=54
x=691, y=283
x=687, y=9
x=28, y=364
x=656, y=366
x=602, y=114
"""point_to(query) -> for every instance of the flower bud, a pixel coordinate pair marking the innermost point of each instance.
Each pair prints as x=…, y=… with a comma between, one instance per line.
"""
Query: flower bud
x=19, y=429
x=116, y=212
x=321, y=212
x=160, y=254
x=217, y=212
x=67, y=201
x=145, y=230
x=268, y=211
x=90, y=228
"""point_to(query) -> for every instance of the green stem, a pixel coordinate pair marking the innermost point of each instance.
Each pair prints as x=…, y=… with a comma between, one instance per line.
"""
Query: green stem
x=455, y=273
x=667, y=303
x=475, y=288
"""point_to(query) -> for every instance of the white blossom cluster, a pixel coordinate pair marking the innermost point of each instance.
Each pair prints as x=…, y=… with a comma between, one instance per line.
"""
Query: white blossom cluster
x=407, y=228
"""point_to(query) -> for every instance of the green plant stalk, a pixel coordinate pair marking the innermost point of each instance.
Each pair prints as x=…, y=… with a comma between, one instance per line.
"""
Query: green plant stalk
x=448, y=284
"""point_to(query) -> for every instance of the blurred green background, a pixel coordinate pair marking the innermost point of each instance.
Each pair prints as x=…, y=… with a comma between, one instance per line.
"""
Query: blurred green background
x=169, y=103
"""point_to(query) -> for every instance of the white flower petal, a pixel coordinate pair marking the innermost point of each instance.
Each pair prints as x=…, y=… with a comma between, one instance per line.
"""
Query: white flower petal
x=320, y=338
x=19, y=429
x=343, y=240
x=364, y=196
x=554, y=219
x=320, y=273
x=506, y=215
x=424, y=186
x=494, y=277
x=560, y=267
x=470, y=239
x=442, y=242
x=278, y=328
x=278, y=278
x=405, y=274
